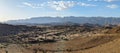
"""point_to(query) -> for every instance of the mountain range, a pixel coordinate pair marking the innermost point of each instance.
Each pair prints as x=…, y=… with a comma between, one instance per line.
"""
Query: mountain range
x=70, y=19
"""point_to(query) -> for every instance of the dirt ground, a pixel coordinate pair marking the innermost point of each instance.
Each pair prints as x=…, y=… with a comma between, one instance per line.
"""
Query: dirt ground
x=92, y=44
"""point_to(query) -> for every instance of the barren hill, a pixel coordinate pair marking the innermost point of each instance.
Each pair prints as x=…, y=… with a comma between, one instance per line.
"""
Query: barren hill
x=83, y=38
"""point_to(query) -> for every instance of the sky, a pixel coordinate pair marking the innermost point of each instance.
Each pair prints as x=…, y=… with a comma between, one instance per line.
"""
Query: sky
x=25, y=9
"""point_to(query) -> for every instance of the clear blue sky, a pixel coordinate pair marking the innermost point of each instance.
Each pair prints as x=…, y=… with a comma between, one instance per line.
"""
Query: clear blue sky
x=23, y=9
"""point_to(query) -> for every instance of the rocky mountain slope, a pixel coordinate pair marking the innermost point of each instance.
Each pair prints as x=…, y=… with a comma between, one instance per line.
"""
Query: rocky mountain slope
x=78, y=38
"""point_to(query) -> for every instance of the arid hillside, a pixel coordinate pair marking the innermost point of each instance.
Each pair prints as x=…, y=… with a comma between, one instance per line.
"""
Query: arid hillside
x=83, y=38
x=6, y=29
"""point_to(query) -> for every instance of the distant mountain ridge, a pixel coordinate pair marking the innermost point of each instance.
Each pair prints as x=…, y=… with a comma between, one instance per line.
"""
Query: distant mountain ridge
x=72, y=19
